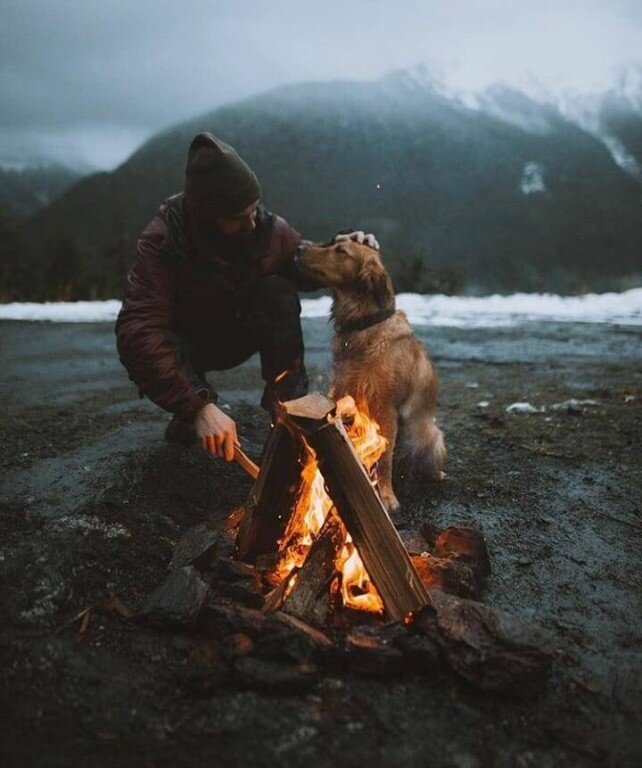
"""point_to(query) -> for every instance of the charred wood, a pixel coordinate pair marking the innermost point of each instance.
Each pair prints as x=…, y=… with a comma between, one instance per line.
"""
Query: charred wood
x=313, y=578
x=272, y=497
x=486, y=646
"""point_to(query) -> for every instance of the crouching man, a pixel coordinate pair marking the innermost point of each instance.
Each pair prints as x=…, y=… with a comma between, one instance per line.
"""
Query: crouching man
x=214, y=281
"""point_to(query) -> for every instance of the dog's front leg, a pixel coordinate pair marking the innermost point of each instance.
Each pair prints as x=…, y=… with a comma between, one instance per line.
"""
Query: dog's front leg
x=387, y=421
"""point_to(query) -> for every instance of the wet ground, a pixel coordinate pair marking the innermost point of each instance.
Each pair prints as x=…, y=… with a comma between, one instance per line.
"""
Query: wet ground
x=92, y=500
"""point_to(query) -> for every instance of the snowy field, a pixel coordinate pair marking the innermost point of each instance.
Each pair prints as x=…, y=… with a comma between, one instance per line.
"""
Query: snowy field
x=453, y=311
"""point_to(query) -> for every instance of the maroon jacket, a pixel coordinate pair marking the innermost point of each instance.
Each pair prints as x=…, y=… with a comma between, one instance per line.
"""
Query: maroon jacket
x=172, y=289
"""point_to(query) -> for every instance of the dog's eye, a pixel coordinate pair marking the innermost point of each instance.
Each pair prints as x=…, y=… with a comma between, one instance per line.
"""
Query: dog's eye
x=342, y=249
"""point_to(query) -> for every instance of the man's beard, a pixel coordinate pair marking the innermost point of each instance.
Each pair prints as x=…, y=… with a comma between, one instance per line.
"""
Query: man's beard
x=208, y=235
x=240, y=238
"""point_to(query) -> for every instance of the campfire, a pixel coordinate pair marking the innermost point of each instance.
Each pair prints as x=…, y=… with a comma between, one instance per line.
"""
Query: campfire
x=316, y=528
x=312, y=574
x=314, y=505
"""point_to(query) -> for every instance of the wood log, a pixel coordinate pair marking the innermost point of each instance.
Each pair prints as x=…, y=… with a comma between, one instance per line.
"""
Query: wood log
x=272, y=497
x=364, y=516
x=313, y=579
x=486, y=646
x=314, y=407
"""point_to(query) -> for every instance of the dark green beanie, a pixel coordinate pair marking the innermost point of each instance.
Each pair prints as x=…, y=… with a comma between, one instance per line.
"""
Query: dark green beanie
x=217, y=181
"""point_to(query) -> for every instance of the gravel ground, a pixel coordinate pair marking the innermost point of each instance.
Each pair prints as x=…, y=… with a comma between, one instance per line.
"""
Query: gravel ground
x=92, y=500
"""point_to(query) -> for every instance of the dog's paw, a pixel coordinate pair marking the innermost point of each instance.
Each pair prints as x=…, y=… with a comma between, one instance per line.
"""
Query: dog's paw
x=390, y=501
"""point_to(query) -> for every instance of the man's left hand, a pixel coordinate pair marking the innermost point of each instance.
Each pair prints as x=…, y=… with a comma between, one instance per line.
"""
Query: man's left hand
x=358, y=237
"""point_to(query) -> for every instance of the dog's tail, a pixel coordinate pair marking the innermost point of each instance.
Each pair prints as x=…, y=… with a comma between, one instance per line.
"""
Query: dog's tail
x=424, y=450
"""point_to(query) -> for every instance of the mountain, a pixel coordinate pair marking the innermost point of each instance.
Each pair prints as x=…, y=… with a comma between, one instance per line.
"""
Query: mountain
x=25, y=190
x=505, y=192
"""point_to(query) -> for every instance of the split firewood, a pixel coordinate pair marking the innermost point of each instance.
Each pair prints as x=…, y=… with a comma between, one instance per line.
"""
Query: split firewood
x=366, y=519
x=314, y=407
x=272, y=497
x=274, y=599
x=313, y=578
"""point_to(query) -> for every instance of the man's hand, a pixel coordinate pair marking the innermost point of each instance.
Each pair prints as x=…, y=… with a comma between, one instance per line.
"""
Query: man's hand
x=215, y=431
x=359, y=237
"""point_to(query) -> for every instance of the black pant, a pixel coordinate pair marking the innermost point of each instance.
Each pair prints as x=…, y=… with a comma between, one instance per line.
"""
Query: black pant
x=269, y=322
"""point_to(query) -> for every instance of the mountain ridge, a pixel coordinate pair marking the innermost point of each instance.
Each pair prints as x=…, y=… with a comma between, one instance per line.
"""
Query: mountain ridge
x=511, y=195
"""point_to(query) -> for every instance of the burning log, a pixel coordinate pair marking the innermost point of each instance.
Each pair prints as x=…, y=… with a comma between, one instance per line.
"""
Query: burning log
x=272, y=496
x=365, y=518
x=373, y=550
x=313, y=579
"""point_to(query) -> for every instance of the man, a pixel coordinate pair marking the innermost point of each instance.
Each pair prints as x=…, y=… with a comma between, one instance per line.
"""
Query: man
x=215, y=280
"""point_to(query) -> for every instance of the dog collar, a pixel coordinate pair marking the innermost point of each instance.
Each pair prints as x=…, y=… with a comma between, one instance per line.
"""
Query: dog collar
x=361, y=323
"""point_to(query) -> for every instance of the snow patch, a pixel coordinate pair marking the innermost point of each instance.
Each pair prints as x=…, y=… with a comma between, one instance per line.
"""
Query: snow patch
x=532, y=180
x=453, y=311
x=524, y=408
x=622, y=156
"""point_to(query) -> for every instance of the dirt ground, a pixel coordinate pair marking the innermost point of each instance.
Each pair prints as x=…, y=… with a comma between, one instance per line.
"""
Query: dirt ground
x=92, y=500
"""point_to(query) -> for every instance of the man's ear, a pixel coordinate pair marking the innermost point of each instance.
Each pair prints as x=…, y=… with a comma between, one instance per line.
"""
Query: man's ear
x=374, y=280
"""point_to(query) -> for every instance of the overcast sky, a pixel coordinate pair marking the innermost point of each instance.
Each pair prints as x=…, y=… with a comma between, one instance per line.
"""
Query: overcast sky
x=88, y=80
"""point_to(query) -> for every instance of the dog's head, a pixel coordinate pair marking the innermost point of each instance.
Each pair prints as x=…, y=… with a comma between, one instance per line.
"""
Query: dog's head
x=349, y=267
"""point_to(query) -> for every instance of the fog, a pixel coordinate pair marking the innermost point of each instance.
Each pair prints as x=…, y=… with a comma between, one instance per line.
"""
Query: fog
x=86, y=82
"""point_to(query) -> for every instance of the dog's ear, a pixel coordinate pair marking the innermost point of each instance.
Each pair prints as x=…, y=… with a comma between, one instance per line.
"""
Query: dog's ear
x=375, y=281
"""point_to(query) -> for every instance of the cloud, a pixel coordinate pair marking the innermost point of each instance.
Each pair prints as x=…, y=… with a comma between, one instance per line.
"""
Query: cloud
x=129, y=67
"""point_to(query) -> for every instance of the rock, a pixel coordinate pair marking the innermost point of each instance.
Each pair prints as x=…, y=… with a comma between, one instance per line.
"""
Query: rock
x=286, y=645
x=275, y=676
x=197, y=547
x=178, y=600
x=466, y=545
x=421, y=654
x=574, y=406
x=486, y=646
x=524, y=408
x=226, y=544
x=206, y=669
x=449, y=575
x=413, y=541
x=236, y=645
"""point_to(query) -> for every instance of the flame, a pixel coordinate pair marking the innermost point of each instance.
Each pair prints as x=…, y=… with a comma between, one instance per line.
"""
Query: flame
x=314, y=504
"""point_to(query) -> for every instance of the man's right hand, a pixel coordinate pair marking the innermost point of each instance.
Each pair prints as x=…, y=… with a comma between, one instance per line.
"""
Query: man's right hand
x=215, y=431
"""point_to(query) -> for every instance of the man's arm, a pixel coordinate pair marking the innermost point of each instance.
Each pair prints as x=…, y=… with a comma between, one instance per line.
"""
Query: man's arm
x=146, y=338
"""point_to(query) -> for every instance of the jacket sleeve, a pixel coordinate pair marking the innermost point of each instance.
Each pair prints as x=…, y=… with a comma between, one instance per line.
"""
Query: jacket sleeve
x=147, y=341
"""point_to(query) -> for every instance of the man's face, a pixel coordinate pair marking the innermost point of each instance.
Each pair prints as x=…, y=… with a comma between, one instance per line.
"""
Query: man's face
x=239, y=225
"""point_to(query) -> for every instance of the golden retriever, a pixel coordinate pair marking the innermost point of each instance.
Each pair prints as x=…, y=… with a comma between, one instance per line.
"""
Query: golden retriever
x=378, y=361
